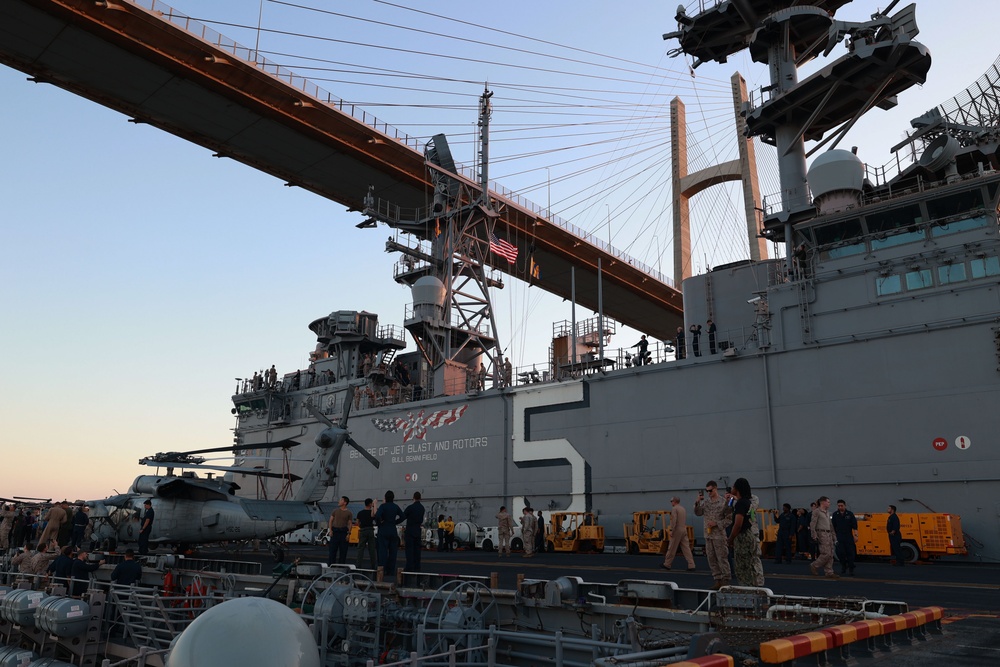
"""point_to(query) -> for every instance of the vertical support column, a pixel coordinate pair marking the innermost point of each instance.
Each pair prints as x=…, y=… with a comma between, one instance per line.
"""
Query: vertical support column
x=748, y=172
x=678, y=168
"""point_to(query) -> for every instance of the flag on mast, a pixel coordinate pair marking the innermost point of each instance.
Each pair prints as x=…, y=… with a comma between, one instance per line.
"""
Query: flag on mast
x=503, y=248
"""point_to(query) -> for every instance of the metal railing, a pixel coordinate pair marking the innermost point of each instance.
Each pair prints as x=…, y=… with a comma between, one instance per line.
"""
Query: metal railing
x=318, y=94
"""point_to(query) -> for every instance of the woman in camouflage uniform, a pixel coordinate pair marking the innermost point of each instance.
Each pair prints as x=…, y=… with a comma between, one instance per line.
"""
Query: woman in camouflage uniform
x=744, y=540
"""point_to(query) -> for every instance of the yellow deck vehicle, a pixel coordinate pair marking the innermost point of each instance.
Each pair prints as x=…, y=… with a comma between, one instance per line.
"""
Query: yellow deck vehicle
x=926, y=535
x=574, y=531
x=650, y=531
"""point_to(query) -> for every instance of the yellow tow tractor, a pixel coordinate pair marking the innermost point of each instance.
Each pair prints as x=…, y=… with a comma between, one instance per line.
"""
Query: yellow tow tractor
x=574, y=531
x=926, y=535
x=650, y=533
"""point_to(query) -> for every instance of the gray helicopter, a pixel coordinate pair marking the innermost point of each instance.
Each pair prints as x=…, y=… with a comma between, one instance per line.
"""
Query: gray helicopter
x=191, y=510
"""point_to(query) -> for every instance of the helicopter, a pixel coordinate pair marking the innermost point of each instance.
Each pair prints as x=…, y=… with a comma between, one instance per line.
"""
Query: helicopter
x=191, y=510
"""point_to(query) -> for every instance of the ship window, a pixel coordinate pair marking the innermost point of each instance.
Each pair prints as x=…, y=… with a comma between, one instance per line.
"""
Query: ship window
x=951, y=273
x=956, y=204
x=838, y=232
x=839, y=236
x=991, y=189
x=842, y=251
x=888, y=285
x=985, y=266
x=919, y=279
x=956, y=226
x=895, y=226
x=897, y=239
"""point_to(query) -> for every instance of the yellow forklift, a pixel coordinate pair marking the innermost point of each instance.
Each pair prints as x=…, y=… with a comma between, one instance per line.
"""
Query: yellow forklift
x=650, y=533
x=574, y=531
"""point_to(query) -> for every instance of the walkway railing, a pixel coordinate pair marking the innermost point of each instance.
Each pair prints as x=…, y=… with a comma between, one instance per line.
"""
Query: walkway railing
x=310, y=89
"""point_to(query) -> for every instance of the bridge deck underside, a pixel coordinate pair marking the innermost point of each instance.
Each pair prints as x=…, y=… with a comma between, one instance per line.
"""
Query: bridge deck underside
x=155, y=72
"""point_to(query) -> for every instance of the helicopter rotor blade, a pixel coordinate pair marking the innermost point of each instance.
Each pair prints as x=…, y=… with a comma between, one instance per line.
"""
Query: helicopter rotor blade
x=348, y=402
x=361, y=450
x=314, y=411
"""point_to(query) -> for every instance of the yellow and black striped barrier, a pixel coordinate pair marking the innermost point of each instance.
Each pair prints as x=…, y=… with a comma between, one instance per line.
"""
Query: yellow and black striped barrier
x=868, y=635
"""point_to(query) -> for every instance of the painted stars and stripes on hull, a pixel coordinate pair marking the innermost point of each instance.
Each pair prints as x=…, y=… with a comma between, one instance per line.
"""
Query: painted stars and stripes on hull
x=415, y=426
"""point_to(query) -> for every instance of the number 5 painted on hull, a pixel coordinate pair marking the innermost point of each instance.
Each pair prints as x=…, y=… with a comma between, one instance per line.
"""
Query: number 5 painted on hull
x=559, y=451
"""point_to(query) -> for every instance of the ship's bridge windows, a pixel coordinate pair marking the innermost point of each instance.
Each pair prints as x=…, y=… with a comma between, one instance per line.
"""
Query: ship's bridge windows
x=885, y=285
x=955, y=204
x=895, y=226
x=955, y=226
x=839, y=236
x=245, y=406
x=920, y=279
x=951, y=273
x=984, y=267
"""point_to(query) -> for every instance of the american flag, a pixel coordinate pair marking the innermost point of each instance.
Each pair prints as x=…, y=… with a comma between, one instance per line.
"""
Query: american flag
x=503, y=248
x=414, y=426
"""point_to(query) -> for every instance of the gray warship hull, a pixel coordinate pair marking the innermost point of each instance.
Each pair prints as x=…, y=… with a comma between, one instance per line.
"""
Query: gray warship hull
x=830, y=384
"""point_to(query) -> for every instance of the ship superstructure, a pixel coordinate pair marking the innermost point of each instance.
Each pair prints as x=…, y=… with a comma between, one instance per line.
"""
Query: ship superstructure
x=862, y=365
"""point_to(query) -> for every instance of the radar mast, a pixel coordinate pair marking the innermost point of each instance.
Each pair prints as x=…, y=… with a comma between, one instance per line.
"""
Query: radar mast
x=444, y=252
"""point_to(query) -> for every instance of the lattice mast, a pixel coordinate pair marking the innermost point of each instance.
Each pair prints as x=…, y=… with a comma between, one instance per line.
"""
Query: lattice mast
x=451, y=319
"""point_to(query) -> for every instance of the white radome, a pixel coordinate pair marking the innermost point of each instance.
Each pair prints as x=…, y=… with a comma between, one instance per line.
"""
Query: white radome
x=248, y=632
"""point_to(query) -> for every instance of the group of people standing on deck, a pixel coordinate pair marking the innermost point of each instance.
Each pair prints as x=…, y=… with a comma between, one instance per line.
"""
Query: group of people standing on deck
x=681, y=339
x=61, y=554
x=732, y=537
x=378, y=537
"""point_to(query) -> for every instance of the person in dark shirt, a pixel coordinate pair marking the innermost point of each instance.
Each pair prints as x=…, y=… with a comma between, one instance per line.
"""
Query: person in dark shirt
x=787, y=523
x=146, y=527
x=712, y=349
x=895, y=536
x=845, y=526
x=80, y=522
x=414, y=515
x=127, y=572
x=642, y=355
x=62, y=567
x=81, y=574
x=386, y=518
x=695, y=336
x=366, y=534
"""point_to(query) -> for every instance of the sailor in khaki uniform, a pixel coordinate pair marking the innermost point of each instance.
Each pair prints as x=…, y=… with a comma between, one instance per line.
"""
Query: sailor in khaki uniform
x=821, y=529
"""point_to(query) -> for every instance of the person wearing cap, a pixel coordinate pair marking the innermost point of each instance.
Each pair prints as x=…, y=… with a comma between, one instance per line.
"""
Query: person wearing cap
x=146, y=528
x=678, y=536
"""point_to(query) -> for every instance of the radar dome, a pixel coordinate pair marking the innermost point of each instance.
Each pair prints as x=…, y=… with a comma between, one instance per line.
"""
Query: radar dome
x=835, y=179
x=250, y=632
x=428, y=297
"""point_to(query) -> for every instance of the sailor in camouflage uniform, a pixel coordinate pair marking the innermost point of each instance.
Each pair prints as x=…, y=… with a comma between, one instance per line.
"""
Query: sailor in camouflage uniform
x=7, y=513
x=717, y=519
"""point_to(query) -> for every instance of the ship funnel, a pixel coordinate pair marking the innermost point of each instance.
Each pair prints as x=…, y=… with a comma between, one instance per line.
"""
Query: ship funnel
x=836, y=178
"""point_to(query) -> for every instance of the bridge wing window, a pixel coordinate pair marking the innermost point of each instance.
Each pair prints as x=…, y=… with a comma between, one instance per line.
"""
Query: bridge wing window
x=956, y=204
x=885, y=285
x=835, y=240
x=985, y=267
x=951, y=273
x=895, y=226
x=955, y=226
x=919, y=279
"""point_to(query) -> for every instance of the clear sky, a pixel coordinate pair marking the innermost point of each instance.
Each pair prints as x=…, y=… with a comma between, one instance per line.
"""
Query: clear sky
x=141, y=276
